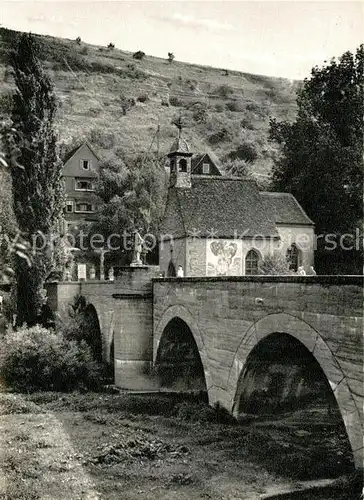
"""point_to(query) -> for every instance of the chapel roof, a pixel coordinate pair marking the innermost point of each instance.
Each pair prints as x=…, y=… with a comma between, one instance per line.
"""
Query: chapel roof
x=285, y=209
x=219, y=207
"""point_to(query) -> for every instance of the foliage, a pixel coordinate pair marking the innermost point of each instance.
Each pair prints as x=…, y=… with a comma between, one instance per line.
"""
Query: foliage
x=126, y=103
x=237, y=168
x=40, y=359
x=245, y=151
x=31, y=153
x=175, y=101
x=224, y=91
x=322, y=151
x=78, y=40
x=101, y=138
x=275, y=264
x=171, y=57
x=82, y=326
x=133, y=191
x=139, y=55
x=111, y=46
x=143, y=98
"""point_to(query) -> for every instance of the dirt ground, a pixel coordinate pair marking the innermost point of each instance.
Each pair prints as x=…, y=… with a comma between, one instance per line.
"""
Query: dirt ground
x=111, y=446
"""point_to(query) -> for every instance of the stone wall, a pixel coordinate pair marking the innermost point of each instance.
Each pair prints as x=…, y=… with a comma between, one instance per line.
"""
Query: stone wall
x=228, y=316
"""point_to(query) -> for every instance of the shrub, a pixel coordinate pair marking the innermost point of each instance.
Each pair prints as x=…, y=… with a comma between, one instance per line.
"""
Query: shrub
x=139, y=55
x=175, y=101
x=275, y=264
x=111, y=46
x=78, y=40
x=246, y=151
x=199, y=112
x=235, y=106
x=143, y=98
x=170, y=57
x=39, y=359
x=224, y=91
x=165, y=102
x=102, y=138
x=84, y=50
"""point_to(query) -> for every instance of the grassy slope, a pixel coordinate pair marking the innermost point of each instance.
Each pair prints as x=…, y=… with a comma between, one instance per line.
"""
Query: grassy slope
x=89, y=81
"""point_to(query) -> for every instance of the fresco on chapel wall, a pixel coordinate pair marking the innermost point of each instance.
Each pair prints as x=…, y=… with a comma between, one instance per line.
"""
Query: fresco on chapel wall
x=223, y=258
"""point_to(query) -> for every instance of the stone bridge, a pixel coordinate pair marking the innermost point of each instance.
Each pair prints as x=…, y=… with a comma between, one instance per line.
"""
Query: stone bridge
x=315, y=320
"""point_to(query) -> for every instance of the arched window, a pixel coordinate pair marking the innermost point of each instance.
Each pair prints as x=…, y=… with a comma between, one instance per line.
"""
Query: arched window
x=251, y=263
x=183, y=165
x=293, y=257
x=171, y=272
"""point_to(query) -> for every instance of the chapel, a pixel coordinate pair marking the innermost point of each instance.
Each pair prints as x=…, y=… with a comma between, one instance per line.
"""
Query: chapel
x=215, y=225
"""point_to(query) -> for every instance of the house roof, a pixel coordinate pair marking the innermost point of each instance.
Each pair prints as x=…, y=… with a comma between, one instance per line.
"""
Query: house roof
x=285, y=209
x=73, y=151
x=219, y=207
x=197, y=159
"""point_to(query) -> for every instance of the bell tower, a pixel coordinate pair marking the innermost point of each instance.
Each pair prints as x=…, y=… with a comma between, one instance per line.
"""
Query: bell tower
x=180, y=161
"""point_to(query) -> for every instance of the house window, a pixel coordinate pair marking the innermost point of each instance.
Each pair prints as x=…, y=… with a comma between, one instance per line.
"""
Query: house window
x=251, y=263
x=293, y=257
x=85, y=164
x=183, y=165
x=69, y=206
x=84, y=207
x=205, y=168
x=84, y=185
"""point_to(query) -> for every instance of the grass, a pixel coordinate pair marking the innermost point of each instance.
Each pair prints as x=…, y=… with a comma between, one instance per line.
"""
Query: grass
x=92, y=78
x=105, y=446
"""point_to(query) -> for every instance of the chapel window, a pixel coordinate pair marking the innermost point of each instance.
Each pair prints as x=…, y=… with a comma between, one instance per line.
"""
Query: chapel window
x=251, y=263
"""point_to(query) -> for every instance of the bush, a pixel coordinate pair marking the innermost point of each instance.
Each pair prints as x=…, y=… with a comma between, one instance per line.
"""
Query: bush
x=234, y=106
x=111, y=46
x=102, y=138
x=246, y=151
x=275, y=264
x=39, y=359
x=78, y=40
x=175, y=101
x=143, y=98
x=224, y=91
x=139, y=55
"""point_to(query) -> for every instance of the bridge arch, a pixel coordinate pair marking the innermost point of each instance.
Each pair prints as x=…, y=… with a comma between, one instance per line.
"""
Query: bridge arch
x=308, y=337
x=180, y=313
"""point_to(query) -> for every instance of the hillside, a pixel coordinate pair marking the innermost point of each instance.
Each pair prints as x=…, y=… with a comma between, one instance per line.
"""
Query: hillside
x=117, y=102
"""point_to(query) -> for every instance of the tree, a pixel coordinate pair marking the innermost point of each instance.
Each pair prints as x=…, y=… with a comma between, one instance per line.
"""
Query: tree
x=321, y=161
x=31, y=153
x=139, y=55
x=275, y=264
x=170, y=57
x=133, y=191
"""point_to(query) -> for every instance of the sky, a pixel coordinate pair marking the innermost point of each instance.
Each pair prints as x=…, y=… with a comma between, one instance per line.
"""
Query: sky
x=277, y=38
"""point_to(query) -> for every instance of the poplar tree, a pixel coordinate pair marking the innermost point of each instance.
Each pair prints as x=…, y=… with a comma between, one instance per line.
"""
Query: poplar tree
x=31, y=152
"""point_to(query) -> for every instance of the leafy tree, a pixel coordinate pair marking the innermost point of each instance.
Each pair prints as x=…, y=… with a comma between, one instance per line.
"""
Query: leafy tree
x=322, y=151
x=171, y=57
x=111, y=46
x=31, y=153
x=133, y=192
x=78, y=40
x=139, y=55
x=275, y=264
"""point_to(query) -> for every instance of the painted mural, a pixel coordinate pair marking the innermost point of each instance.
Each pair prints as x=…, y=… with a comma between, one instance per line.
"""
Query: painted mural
x=223, y=258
